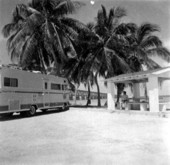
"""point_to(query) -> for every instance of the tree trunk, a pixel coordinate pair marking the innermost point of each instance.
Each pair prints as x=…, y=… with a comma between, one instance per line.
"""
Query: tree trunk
x=75, y=94
x=57, y=68
x=88, y=95
x=98, y=90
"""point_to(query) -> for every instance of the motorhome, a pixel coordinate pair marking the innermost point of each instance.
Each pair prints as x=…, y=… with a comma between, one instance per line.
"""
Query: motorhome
x=26, y=91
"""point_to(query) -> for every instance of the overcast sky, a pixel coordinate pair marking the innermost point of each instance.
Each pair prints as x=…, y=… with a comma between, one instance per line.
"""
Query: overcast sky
x=153, y=11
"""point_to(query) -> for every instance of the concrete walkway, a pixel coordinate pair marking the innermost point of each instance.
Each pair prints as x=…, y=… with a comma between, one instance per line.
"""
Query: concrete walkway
x=80, y=137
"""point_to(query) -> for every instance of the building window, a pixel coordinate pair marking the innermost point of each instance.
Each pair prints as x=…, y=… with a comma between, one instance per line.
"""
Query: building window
x=64, y=96
x=55, y=86
x=46, y=85
x=64, y=87
x=10, y=82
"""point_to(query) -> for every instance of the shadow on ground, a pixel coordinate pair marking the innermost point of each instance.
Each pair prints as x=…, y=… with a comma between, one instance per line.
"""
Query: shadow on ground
x=89, y=106
x=17, y=116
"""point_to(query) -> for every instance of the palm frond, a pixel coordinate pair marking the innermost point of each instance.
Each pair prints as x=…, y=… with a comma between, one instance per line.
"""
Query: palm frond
x=8, y=29
x=69, y=31
x=119, y=12
x=146, y=30
x=107, y=65
x=118, y=60
x=20, y=12
x=104, y=12
x=91, y=26
x=161, y=52
x=125, y=28
x=100, y=18
x=76, y=25
x=151, y=64
x=15, y=52
x=46, y=56
x=68, y=45
x=58, y=43
x=65, y=7
x=110, y=17
x=27, y=29
x=29, y=50
x=151, y=42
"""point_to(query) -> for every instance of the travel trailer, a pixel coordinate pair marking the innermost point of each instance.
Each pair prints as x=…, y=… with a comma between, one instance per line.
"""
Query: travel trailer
x=25, y=92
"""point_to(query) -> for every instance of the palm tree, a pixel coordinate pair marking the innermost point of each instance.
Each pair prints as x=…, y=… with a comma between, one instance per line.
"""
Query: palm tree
x=143, y=44
x=77, y=70
x=100, y=49
x=110, y=47
x=41, y=31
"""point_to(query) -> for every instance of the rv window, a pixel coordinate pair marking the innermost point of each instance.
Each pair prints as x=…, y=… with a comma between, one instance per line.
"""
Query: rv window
x=7, y=82
x=55, y=86
x=10, y=82
x=14, y=82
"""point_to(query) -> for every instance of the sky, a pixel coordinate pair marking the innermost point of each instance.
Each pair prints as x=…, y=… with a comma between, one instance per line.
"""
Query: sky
x=138, y=11
x=153, y=11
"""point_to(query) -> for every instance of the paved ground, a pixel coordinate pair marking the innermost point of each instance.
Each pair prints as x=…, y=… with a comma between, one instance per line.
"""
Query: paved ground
x=85, y=137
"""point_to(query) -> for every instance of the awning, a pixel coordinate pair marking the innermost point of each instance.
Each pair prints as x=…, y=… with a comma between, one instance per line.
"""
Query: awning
x=162, y=73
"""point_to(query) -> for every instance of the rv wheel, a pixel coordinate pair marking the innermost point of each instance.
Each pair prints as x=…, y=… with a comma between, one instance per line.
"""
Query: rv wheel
x=32, y=111
x=65, y=106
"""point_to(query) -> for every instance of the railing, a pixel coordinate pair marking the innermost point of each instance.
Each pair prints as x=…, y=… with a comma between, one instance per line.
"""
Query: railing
x=142, y=103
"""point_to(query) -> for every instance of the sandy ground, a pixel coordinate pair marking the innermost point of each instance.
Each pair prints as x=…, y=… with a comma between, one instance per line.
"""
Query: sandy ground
x=85, y=137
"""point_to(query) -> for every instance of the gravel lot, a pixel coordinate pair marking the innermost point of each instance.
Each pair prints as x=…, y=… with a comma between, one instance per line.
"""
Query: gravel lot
x=85, y=136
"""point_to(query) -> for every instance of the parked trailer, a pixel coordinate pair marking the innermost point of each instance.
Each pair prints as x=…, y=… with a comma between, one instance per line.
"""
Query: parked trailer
x=25, y=92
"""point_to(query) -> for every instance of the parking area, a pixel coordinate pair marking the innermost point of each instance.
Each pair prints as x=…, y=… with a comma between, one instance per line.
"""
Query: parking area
x=83, y=136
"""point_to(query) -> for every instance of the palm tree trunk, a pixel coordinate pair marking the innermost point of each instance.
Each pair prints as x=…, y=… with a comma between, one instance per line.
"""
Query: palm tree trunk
x=57, y=67
x=98, y=90
x=75, y=94
x=88, y=95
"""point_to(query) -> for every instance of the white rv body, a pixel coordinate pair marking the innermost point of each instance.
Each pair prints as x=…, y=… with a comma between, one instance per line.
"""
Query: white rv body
x=19, y=90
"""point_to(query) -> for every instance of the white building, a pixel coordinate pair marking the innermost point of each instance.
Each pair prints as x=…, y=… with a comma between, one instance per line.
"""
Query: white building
x=156, y=81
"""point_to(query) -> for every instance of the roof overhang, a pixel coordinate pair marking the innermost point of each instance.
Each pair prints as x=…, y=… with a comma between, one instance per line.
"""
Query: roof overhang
x=163, y=73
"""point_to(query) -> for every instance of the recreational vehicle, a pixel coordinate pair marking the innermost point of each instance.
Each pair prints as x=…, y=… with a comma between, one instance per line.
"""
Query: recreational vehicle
x=25, y=92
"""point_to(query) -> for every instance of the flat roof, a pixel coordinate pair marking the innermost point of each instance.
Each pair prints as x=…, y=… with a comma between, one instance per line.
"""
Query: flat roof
x=139, y=76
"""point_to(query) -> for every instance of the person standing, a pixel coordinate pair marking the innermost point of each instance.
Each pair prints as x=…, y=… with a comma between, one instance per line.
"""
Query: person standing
x=124, y=100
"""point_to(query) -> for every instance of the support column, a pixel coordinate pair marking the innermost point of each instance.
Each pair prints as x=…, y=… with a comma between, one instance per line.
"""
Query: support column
x=136, y=90
x=153, y=93
x=110, y=96
x=136, y=95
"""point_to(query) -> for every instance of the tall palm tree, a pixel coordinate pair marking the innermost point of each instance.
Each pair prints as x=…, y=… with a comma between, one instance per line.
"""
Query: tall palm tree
x=77, y=70
x=100, y=48
x=144, y=44
x=42, y=31
x=109, y=48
